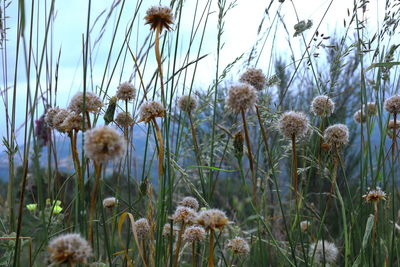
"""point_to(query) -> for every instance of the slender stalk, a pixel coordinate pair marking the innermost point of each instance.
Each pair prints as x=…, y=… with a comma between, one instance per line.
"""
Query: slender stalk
x=159, y=62
x=178, y=245
x=194, y=261
x=144, y=252
x=97, y=168
x=160, y=151
x=295, y=174
x=211, y=254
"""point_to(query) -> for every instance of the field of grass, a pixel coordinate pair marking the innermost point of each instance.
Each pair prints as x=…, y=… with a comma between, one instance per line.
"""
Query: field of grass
x=169, y=150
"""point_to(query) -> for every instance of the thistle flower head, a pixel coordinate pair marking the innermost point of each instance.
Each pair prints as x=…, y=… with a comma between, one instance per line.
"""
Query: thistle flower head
x=324, y=249
x=103, y=144
x=370, y=109
x=322, y=106
x=159, y=17
x=304, y=226
x=392, y=104
x=238, y=246
x=190, y=202
x=212, y=218
x=50, y=114
x=336, y=135
x=194, y=233
x=126, y=91
x=187, y=103
x=69, y=248
x=92, y=103
x=110, y=202
x=167, y=230
x=142, y=227
x=254, y=77
x=241, y=97
x=375, y=195
x=293, y=123
x=151, y=110
x=360, y=117
x=184, y=215
x=124, y=119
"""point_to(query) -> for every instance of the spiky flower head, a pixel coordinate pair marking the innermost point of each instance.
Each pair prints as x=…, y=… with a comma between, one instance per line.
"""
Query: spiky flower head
x=124, y=119
x=392, y=125
x=241, y=97
x=336, y=135
x=254, y=77
x=304, y=226
x=142, y=227
x=126, y=91
x=374, y=195
x=187, y=103
x=110, y=202
x=190, y=202
x=322, y=106
x=370, y=109
x=49, y=117
x=167, y=230
x=92, y=103
x=194, y=233
x=392, y=104
x=238, y=246
x=212, y=218
x=184, y=215
x=160, y=17
x=69, y=248
x=151, y=110
x=103, y=144
x=293, y=123
x=359, y=116
x=324, y=250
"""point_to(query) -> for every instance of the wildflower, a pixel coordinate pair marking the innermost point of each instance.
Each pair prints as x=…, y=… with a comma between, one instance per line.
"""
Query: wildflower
x=392, y=125
x=159, y=17
x=293, y=123
x=370, y=109
x=124, y=119
x=59, y=118
x=167, y=230
x=151, y=110
x=126, y=91
x=254, y=77
x=49, y=117
x=304, y=226
x=324, y=250
x=57, y=209
x=375, y=195
x=142, y=227
x=336, y=135
x=69, y=248
x=92, y=103
x=190, y=202
x=184, y=215
x=273, y=80
x=241, y=97
x=392, y=104
x=103, y=144
x=187, y=103
x=302, y=26
x=194, y=233
x=110, y=202
x=322, y=106
x=238, y=246
x=31, y=207
x=212, y=218
x=359, y=117
x=73, y=121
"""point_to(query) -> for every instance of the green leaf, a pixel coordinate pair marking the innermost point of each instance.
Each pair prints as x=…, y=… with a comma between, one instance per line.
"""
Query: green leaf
x=211, y=168
x=383, y=64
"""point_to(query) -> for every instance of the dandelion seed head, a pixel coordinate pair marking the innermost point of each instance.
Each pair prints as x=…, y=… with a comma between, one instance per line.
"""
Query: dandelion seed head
x=142, y=227
x=392, y=104
x=103, y=144
x=293, y=123
x=124, y=119
x=159, y=17
x=241, y=97
x=184, y=215
x=69, y=248
x=238, y=246
x=322, y=106
x=324, y=248
x=212, y=218
x=374, y=195
x=254, y=77
x=194, y=233
x=187, y=103
x=110, y=202
x=336, y=135
x=190, y=202
x=126, y=91
x=151, y=110
x=93, y=103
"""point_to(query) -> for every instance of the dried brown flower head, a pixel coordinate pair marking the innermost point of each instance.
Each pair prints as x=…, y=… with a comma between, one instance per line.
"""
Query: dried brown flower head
x=238, y=246
x=374, y=195
x=50, y=114
x=360, y=117
x=254, y=77
x=92, y=103
x=194, y=233
x=212, y=218
x=69, y=248
x=293, y=123
x=151, y=110
x=392, y=104
x=159, y=17
x=124, y=119
x=336, y=135
x=167, y=230
x=370, y=109
x=184, y=215
x=187, y=103
x=103, y=144
x=142, y=227
x=190, y=202
x=59, y=118
x=322, y=106
x=126, y=91
x=241, y=97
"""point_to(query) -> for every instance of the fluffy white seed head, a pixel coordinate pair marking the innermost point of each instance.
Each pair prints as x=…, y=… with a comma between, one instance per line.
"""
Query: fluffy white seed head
x=190, y=202
x=110, y=202
x=187, y=103
x=238, y=246
x=370, y=109
x=212, y=218
x=69, y=248
x=392, y=104
x=151, y=110
x=92, y=103
x=124, y=119
x=293, y=123
x=324, y=248
x=126, y=91
x=142, y=227
x=322, y=106
x=254, y=77
x=336, y=135
x=184, y=215
x=194, y=233
x=360, y=117
x=49, y=117
x=241, y=97
x=167, y=230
